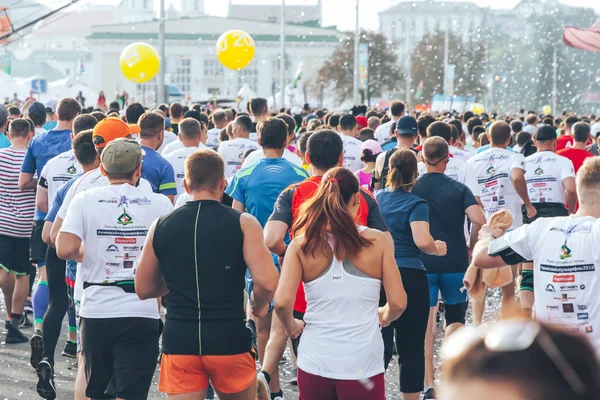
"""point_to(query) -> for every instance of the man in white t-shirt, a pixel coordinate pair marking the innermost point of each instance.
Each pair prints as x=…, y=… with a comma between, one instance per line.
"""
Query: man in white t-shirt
x=551, y=186
x=455, y=168
x=106, y=228
x=352, y=146
x=382, y=133
x=233, y=150
x=193, y=139
x=566, y=262
x=219, y=118
x=497, y=179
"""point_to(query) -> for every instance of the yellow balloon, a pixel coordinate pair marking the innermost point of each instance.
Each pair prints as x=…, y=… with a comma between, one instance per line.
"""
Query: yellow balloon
x=478, y=108
x=547, y=110
x=235, y=49
x=139, y=62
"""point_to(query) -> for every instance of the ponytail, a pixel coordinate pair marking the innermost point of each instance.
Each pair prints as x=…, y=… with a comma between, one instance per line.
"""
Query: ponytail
x=327, y=212
x=403, y=170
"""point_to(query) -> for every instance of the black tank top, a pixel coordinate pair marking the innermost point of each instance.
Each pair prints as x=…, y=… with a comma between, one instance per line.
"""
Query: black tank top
x=200, y=252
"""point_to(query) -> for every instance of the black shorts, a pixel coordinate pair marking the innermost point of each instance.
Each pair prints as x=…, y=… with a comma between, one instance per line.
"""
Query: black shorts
x=14, y=255
x=120, y=356
x=38, y=247
x=545, y=210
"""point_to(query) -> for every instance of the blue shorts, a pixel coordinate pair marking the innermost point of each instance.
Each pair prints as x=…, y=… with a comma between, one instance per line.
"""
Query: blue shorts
x=250, y=284
x=450, y=286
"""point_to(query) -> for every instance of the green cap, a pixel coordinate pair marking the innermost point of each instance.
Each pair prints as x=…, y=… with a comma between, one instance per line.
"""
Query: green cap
x=121, y=156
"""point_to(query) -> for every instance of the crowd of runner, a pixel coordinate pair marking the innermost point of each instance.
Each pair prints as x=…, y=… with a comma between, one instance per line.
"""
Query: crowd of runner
x=343, y=236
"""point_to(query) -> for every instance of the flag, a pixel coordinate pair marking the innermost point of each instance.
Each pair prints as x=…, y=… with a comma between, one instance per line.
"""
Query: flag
x=298, y=76
x=419, y=92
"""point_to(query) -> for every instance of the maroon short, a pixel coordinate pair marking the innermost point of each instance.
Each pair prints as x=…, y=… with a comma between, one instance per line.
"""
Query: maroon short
x=313, y=387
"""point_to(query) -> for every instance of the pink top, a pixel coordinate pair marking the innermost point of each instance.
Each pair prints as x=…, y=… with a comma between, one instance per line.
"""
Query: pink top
x=364, y=179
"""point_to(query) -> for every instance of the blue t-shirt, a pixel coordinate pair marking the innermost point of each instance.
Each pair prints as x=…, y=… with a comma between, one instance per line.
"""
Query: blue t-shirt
x=159, y=172
x=4, y=141
x=41, y=149
x=399, y=208
x=49, y=125
x=389, y=144
x=59, y=198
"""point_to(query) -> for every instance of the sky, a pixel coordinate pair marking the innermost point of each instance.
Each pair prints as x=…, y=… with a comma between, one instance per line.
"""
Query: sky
x=341, y=13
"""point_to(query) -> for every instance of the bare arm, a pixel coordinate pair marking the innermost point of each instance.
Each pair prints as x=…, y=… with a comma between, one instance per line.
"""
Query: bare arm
x=518, y=179
x=26, y=181
x=291, y=276
x=149, y=283
x=171, y=197
x=68, y=246
x=379, y=164
x=570, y=193
x=46, y=237
x=238, y=206
x=259, y=261
x=275, y=232
x=424, y=240
x=55, y=228
x=41, y=199
x=477, y=218
x=392, y=283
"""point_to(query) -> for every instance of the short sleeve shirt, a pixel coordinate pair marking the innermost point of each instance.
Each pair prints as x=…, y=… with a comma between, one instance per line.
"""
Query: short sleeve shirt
x=544, y=173
x=352, y=153
x=233, y=152
x=58, y=171
x=159, y=172
x=177, y=160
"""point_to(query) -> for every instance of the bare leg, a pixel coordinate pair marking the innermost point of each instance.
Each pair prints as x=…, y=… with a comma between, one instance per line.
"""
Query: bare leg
x=411, y=396
x=508, y=299
x=478, y=308
x=263, y=326
x=275, y=347
x=247, y=394
x=21, y=289
x=188, y=396
x=429, y=348
x=527, y=297
x=80, y=383
x=7, y=282
x=450, y=329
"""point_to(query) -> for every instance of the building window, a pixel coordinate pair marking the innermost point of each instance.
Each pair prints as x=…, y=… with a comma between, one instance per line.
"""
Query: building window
x=249, y=76
x=183, y=74
x=213, y=68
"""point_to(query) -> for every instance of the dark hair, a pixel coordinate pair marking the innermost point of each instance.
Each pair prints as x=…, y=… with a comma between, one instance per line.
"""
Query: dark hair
x=366, y=134
x=38, y=118
x=190, y=128
x=458, y=125
x=423, y=123
x=467, y=116
x=272, y=133
x=19, y=127
x=67, y=109
x=499, y=132
x=151, y=124
x=478, y=131
x=99, y=115
x=548, y=121
x=302, y=142
x=484, y=140
x=531, y=119
x=164, y=108
x=83, y=147
x=13, y=110
x=204, y=169
x=324, y=149
x=334, y=120
x=397, y=108
x=114, y=105
x=516, y=126
x=403, y=170
x=289, y=121
x=31, y=125
x=581, y=132
x=327, y=211
x=245, y=122
x=523, y=138
x=472, y=123
x=531, y=369
x=347, y=122
x=83, y=123
x=258, y=106
x=368, y=156
x=571, y=120
x=440, y=129
x=133, y=113
x=176, y=110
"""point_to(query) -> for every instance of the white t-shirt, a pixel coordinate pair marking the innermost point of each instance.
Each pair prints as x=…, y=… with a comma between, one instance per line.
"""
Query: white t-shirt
x=565, y=253
x=233, y=151
x=258, y=154
x=544, y=173
x=58, y=171
x=177, y=160
x=352, y=153
x=489, y=178
x=382, y=133
x=455, y=169
x=171, y=147
x=113, y=222
x=213, y=140
x=462, y=155
x=39, y=131
x=182, y=199
x=169, y=137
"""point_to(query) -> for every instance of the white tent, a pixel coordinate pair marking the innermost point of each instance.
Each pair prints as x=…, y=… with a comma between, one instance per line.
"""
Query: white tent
x=68, y=87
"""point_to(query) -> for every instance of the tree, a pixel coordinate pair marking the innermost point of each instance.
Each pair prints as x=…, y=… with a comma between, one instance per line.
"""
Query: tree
x=428, y=65
x=338, y=72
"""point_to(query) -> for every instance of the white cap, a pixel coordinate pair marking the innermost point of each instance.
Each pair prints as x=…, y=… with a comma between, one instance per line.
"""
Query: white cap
x=596, y=129
x=51, y=104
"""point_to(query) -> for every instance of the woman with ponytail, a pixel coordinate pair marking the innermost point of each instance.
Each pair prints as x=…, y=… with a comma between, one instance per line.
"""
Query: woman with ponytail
x=342, y=267
x=407, y=217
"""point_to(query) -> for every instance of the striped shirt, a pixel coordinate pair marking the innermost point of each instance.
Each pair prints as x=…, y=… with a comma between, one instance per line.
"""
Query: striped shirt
x=16, y=206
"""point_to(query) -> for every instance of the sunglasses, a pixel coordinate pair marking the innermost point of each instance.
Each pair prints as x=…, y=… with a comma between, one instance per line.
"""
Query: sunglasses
x=513, y=336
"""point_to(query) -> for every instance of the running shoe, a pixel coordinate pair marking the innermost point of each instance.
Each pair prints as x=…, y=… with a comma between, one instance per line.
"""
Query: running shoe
x=37, y=348
x=278, y=398
x=6, y=325
x=28, y=306
x=294, y=379
x=210, y=393
x=25, y=321
x=14, y=335
x=262, y=388
x=70, y=350
x=429, y=394
x=45, y=386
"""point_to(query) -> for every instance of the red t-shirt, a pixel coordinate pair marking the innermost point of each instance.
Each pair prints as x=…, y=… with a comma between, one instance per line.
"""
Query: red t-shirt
x=562, y=141
x=577, y=156
x=289, y=202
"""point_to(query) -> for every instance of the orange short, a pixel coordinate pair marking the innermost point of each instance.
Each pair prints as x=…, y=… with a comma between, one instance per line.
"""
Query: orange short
x=181, y=374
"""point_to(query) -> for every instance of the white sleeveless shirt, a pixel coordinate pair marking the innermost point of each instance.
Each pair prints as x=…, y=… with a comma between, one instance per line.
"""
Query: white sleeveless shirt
x=342, y=338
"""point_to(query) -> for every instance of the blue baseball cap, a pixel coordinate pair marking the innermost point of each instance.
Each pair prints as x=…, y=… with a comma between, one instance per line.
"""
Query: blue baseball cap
x=407, y=125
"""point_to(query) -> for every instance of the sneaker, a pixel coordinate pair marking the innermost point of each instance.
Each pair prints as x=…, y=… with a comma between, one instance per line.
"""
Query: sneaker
x=262, y=388
x=45, y=386
x=37, y=348
x=25, y=321
x=429, y=394
x=70, y=350
x=278, y=398
x=210, y=393
x=28, y=306
x=294, y=379
x=6, y=325
x=14, y=335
